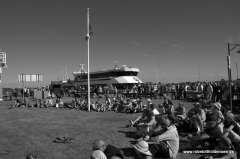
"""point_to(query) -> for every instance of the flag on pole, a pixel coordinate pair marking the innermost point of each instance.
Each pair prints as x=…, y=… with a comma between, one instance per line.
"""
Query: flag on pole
x=90, y=32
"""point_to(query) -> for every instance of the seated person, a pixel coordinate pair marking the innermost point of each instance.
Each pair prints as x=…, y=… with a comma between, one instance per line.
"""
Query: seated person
x=200, y=114
x=140, y=105
x=49, y=102
x=180, y=111
x=58, y=102
x=93, y=106
x=146, y=125
x=108, y=104
x=194, y=125
x=226, y=145
x=135, y=107
x=231, y=124
x=212, y=132
x=161, y=109
x=166, y=144
x=125, y=108
x=108, y=150
x=155, y=111
x=217, y=115
x=115, y=104
x=17, y=103
x=139, y=118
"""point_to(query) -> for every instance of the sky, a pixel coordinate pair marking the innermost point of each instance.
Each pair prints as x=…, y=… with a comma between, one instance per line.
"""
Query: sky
x=168, y=40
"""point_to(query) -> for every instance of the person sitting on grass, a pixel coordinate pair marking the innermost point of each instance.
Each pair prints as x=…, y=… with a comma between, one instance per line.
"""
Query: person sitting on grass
x=231, y=124
x=115, y=104
x=17, y=103
x=109, y=150
x=217, y=115
x=146, y=125
x=108, y=104
x=126, y=107
x=135, y=107
x=166, y=144
x=140, y=105
x=169, y=108
x=58, y=101
x=49, y=102
x=205, y=138
x=142, y=150
x=225, y=144
x=180, y=111
x=161, y=109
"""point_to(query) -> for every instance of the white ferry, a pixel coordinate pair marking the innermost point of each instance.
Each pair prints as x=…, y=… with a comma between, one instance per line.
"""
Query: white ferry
x=115, y=77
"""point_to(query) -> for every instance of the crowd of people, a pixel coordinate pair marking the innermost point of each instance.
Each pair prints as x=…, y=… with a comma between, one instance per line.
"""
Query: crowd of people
x=210, y=124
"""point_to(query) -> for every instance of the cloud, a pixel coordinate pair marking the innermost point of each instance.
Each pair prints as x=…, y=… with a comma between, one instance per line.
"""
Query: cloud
x=135, y=43
x=177, y=46
x=176, y=53
x=229, y=40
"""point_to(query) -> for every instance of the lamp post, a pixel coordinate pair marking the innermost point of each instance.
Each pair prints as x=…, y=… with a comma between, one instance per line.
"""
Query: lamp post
x=229, y=71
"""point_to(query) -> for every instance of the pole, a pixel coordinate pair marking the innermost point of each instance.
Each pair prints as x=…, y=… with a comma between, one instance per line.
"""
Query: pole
x=198, y=73
x=88, y=60
x=229, y=78
x=156, y=76
x=1, y=90
x=161, y=72
x=23, y=91
x=237, y=70
x=217, y=73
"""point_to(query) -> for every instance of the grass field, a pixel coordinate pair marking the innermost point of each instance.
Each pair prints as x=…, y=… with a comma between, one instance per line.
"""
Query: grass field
x=25, y=131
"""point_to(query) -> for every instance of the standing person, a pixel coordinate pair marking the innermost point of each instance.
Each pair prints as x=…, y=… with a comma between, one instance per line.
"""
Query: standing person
x=209, y=91
x=218, y=93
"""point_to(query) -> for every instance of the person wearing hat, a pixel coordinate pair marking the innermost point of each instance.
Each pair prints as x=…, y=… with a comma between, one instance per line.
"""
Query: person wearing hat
x=217, y=115
x=142, y=150
x=108, y=150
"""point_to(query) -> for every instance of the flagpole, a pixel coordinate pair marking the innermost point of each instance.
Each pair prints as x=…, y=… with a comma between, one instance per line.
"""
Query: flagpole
x=88, y=60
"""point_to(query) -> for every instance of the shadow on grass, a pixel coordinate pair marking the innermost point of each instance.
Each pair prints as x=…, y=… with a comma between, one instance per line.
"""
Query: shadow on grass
x=128, y=152
x=129, y=134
